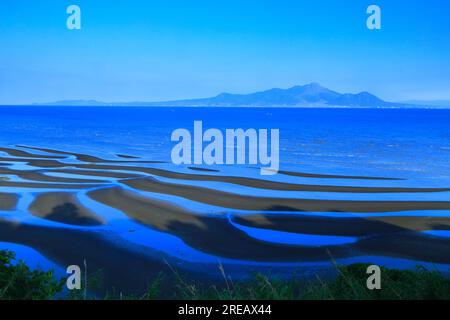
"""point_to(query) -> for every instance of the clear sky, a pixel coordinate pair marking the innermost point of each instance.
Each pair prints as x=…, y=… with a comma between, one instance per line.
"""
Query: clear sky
x=170, y=49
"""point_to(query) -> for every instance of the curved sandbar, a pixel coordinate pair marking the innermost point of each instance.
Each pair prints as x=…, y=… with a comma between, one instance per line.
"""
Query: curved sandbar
x=334, y=176
x=202, y=169
x=354, y=227
x=258, y=183
x=36, y=162
x=86, y=157
x=42, y=177
x=215, y=235
x=245, y=202
x=211, y=234
x=249, y=182
x=98, y=173
x=37, y=185
x=63, y=207
x=24, y=154
x=125, y=156
x=93, y=159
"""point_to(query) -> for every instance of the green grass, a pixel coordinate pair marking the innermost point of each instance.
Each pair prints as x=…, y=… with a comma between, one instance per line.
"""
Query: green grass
x=17, y=281
x=421, y=284
x=350, y=284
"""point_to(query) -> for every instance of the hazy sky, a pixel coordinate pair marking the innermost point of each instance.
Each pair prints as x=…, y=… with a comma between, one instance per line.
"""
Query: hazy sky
x=169, y=49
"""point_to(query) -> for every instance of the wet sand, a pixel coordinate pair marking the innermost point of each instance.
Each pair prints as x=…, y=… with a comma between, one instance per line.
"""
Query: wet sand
x=333, y=176
x=127, y=268
x=155, y=213
x=24, y=154
x=248, y=182
x=63, y=207
x=123, y=267
x=36, y=162
x=352, y=227
x=8, y=201
x=126, y=156
x=411, y=245
x=37, y=185
x=215, y=235
x=42, y=177
x=390, y=236
x=98, y=173
x=85, y=157
x=211, y=234
x=257, y=183
x=242, y=202
x=202, y=169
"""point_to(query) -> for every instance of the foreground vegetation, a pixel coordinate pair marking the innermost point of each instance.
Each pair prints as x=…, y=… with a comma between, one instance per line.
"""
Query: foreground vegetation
x=17, y=281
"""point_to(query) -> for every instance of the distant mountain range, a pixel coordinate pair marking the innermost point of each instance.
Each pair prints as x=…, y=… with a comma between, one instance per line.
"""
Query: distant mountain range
x=310, y=95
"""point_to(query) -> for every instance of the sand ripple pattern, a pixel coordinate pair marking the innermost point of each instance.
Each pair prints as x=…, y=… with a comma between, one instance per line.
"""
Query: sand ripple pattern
x=205, y=210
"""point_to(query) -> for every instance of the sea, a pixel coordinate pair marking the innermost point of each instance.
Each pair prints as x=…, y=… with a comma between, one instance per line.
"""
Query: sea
x=410, y=145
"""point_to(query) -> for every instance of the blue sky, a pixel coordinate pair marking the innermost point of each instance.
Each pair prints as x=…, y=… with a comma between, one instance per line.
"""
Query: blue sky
x=171, y=49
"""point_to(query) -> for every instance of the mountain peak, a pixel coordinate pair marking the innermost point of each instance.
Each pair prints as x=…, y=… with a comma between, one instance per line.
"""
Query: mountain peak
x=309, y=95
x=309, y=86
x=313, y=85
x=366, y=94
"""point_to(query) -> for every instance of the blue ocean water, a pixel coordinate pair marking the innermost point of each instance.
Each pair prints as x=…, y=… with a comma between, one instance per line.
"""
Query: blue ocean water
x=406, y=143
x=412, y=144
